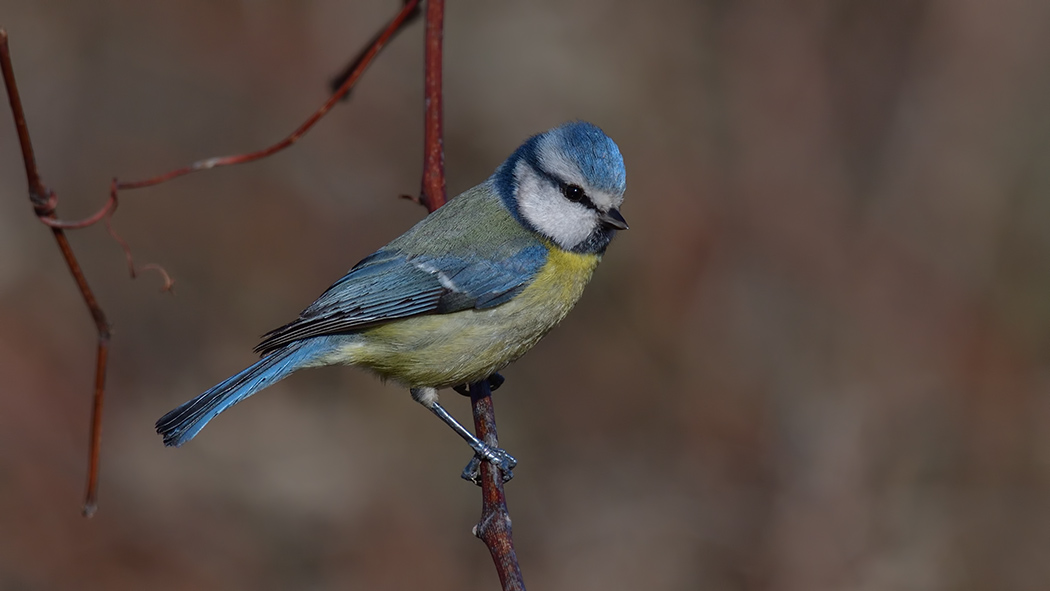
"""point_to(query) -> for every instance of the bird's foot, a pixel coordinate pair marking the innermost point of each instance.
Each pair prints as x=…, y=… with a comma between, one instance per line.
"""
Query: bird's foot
x=495, y=381
x=493, y=455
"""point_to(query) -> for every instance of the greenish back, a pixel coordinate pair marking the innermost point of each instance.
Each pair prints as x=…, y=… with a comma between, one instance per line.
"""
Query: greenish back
x=474, y=223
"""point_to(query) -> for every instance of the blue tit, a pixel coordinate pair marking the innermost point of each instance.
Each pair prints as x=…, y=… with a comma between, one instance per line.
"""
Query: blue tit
x=464, y=292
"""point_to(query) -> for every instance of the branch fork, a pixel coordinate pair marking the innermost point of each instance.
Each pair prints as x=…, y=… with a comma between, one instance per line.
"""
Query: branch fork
x=494, y=527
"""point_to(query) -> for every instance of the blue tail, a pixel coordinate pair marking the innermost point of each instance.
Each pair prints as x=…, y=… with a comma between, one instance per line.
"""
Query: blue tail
x=183, y=423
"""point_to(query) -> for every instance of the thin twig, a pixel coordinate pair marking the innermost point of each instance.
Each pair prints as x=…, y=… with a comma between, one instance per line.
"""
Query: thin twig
x=347, y=79
x=432, y=194
x=339, y=79
x=44, y=201
x=408, y=10
x=366, y=60
x=494, y=528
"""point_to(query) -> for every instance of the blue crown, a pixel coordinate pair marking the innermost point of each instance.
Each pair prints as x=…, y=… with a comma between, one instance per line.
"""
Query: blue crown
x=584, y=143
x=596, y=154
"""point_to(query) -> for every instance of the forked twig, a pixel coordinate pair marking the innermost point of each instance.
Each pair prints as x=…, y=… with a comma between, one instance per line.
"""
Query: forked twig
x=45, y=202
x=495, y=525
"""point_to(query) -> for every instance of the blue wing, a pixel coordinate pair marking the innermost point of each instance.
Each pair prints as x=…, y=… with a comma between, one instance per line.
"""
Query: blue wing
x=389, y=285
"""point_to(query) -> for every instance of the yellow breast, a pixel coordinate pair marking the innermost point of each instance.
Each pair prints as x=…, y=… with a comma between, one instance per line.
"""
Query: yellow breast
x=443, y=350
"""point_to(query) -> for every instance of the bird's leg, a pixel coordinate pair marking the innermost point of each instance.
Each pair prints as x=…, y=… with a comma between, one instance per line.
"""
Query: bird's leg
x=428, y=397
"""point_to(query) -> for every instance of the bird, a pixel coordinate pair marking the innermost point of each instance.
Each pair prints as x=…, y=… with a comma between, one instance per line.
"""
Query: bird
x=460, y=295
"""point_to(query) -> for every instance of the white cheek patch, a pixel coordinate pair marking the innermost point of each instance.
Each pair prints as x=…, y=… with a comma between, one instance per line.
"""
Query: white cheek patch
x=543, y=206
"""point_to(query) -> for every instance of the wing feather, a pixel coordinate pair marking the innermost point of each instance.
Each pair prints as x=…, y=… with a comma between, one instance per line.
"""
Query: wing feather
x=388, y=285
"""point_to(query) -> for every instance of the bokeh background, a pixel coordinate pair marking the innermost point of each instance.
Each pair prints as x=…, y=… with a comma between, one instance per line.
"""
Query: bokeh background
x=820, y=358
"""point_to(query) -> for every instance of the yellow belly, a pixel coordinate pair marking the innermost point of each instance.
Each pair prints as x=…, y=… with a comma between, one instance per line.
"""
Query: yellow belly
x=442, y=350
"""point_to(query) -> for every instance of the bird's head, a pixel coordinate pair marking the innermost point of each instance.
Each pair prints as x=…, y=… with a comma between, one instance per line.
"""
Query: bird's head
x=567, y=184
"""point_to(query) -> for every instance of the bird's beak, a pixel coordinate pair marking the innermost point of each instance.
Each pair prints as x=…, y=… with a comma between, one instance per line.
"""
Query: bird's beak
x=613, y=219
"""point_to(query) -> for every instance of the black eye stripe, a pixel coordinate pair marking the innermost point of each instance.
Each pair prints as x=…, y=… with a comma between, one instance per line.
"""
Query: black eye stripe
x=575, y=194
x=585, y=201
x=564, y=186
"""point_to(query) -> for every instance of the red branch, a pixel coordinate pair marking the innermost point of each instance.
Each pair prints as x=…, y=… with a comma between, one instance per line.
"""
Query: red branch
x=347, y=81
x=365, y=61
x=433, y=192
x=44, y=201
x=494, y=528
x=339, y=79
x=495, y=525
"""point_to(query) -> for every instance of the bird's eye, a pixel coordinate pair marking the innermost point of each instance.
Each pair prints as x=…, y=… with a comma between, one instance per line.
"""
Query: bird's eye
x=573, y=193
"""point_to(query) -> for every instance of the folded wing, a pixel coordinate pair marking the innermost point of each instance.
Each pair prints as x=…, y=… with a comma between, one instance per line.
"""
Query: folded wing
x=388, y=285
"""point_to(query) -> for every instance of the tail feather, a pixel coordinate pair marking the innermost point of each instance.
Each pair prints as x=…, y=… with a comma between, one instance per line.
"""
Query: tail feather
x=183, y=423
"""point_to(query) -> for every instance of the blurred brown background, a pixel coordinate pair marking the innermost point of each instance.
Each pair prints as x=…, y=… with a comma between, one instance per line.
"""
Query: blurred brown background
x=819, y=359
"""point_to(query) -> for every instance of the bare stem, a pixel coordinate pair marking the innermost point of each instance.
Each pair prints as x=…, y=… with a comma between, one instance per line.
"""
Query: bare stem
x=494, y=528
x=362, y=64
x=44, y=201
x=433, y=192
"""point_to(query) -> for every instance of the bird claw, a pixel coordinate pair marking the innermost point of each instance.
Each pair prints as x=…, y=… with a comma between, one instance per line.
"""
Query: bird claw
x=495, y=456
x=495, y=381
